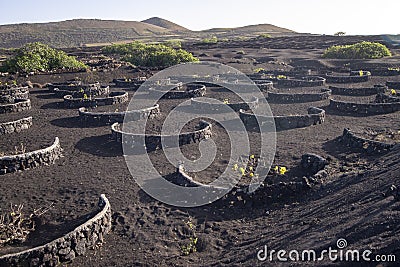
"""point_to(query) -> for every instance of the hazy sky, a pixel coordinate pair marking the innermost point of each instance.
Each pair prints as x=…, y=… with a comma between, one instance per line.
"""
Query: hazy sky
x=311, y=16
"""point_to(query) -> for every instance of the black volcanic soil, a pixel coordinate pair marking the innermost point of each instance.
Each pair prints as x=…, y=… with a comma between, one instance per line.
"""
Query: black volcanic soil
x=348, y=204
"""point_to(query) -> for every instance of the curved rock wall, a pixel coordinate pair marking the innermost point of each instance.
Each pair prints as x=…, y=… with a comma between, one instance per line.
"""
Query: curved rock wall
x=298, y=98
x=15, y=126
x=205, y=106
x=32, y=159
x=9, y=95
x=393, y=85
x=382, y=98
x=385, y=71
x=193, y=90
x=314, y=116
x=18, y=106
x=132, y=84
x=155, y=141
x=308, y=81
x=112, y=99
x=370, y=146
x=347, y=79
x=361, y=108
x=93, y=91
x=365, y=91
x=66, y=248
x=112, y=117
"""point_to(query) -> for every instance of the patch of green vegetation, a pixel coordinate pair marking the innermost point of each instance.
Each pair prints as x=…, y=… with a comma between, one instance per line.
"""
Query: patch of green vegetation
x=210, y=40
x=264, y=36
x=362, y=50
x=340, y=34
x=150, y=55
x=40, y=57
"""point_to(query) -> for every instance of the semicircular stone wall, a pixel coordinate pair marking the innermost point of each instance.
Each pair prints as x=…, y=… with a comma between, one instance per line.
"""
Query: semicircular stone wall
x=192, y=90
x=199, y=104
x=364, y=91
x=64, y=249
x=15, y=126
x=20, y=162
x=112, y=99
x=204, y=131
x=370, y=146
x=348, y=79
x=364, y=108
x=315, y=116
x=112, y=117
x=18, y=106
x=299, y=97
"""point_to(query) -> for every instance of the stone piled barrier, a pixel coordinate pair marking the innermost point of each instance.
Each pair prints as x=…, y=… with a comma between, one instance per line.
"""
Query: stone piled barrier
x=113, y=117
x=364, y=108
x=315, y=116
x=199, y=104
x=393, y=85
x=192, y=90
x=112, y=99
x=20, y=162
x=66, y=248
x=307, y=81
x=204, y=131
x=356, y=78
x=298, y=97
x=364, y=91
x=353, y=141
x=18, y=106
x=15, y=126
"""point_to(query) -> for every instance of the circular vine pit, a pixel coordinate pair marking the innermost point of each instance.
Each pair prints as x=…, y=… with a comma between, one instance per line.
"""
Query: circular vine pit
x=112, y=99
x=203, y=105
x=131, y=84
x=15, y=126
x=355, y=141
x=107, y=118
x=20, y=162
x=300, y=97
x=354, y=77
x=364, y=108
x=185, y=91
x=88, y=235
x=154, y=141
x=18, y=105
x=361, y=91
x=315, y=116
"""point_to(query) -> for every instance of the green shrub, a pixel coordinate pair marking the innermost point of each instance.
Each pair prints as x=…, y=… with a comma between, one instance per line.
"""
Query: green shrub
x=211, y=40
x=340, y=34
x=40, y=57
x=264, y=36
x=363, y=50
x=150, y=55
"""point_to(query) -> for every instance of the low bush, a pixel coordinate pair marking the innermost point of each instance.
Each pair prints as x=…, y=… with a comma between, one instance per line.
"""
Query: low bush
x=362, y=50
x=35, y=57
x=150, y=55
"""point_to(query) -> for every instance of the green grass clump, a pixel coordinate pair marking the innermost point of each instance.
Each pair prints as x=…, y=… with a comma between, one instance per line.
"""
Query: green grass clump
x=362, y=50
x=150, y=55
x=264, y=36
x=35, y=57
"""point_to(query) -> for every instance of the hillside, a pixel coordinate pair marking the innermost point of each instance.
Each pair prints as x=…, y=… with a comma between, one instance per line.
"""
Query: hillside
x=76, y=32
x=165, y=24
x=259, y=28
x=80, y=32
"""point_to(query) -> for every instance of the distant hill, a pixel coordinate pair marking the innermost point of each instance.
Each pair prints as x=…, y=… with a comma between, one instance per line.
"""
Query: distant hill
x=79, y=32
x=165, y=24
x=259, y=28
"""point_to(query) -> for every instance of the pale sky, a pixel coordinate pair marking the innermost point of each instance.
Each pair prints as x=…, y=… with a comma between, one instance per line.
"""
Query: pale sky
x=307, y=16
